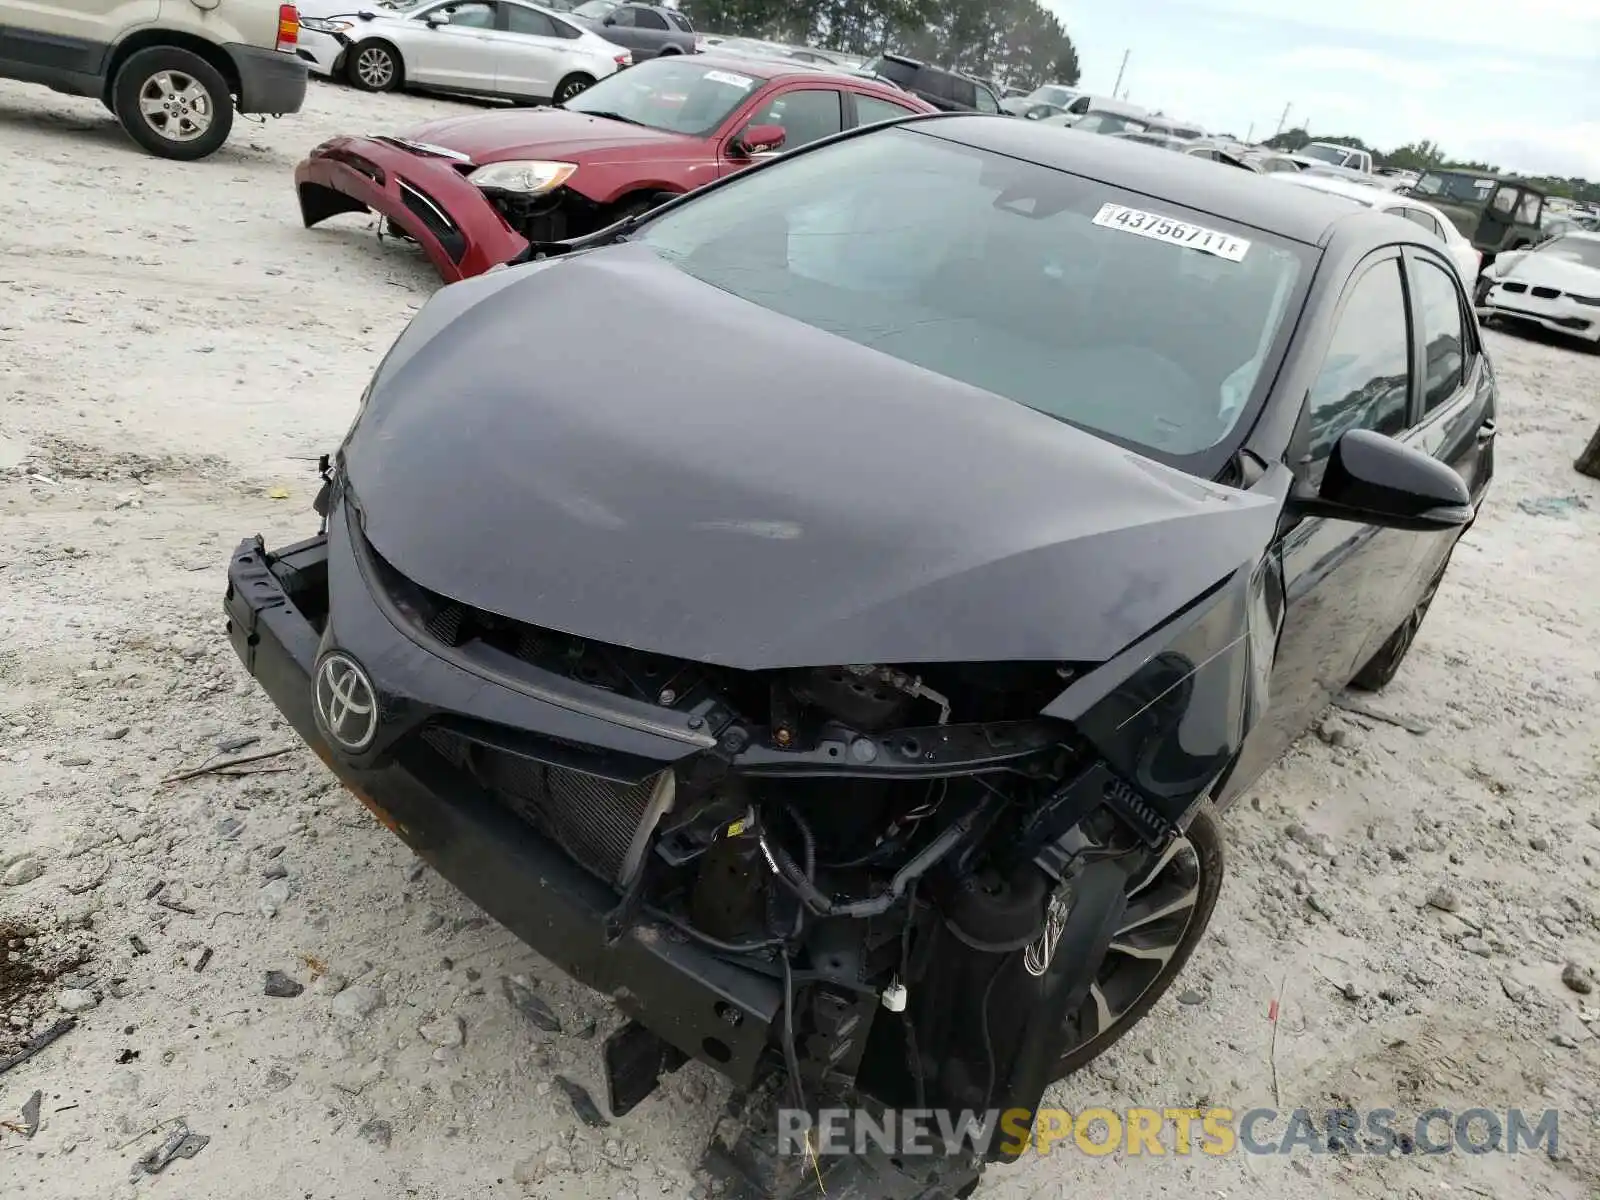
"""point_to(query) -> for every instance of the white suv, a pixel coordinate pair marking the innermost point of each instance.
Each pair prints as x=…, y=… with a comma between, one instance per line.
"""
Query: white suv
x=172, y=73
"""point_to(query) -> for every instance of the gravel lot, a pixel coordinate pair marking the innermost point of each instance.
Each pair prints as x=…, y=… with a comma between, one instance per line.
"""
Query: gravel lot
x=175, y=350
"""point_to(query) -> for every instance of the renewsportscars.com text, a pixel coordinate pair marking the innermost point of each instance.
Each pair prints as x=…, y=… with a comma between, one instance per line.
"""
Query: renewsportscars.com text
x=1162, y=1131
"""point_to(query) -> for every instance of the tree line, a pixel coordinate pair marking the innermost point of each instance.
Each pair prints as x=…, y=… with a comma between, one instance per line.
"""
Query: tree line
x=1017, y=43
x=1430, y=156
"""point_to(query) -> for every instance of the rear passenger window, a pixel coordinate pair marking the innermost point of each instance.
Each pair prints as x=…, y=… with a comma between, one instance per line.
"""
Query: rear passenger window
x=528, y=21
x=645, y=18
x=1365, y=381
x=1418, y=217
x=1443, y=334
x=870, y=110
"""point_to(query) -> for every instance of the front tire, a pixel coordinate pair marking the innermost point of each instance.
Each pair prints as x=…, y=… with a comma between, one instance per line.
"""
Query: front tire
x=374, y=66
x=173, y=103
x=571, y=86
x=1170, y=902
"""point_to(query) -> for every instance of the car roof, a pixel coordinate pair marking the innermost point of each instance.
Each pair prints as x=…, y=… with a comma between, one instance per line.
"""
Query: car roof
x=1299, y=214
x=1468, y=173
x=767, y=68
x=1336, y=186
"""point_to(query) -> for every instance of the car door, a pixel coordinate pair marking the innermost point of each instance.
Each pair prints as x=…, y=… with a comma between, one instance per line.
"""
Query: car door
x=1457, y=423
x=632, y=26
x=530, y=53
x=803, y=113
x=452, y=46
x=1344, y=583
x=53, y=41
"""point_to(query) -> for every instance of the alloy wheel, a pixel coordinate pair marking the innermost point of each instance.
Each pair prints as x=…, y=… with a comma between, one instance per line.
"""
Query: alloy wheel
x=177, y=106
x=1162, y=899
x=375, y=66
x=570, y=89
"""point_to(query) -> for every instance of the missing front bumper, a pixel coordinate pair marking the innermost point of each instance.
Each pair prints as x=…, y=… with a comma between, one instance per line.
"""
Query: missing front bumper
x=704, y=1006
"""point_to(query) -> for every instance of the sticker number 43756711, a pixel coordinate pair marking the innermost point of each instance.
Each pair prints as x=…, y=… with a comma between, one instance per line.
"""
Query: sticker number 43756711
x=1165, y=229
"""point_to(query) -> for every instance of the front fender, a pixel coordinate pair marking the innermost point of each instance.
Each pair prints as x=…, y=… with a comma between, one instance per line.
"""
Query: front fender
x=1170, y=713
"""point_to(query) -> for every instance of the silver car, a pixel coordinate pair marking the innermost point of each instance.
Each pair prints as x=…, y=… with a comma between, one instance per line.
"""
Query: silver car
x=506, y=48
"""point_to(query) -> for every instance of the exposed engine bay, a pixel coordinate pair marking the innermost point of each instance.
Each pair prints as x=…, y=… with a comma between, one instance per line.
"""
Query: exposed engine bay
x=899, y=848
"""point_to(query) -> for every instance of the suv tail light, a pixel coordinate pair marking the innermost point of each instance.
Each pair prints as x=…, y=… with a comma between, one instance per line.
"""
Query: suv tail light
x=288, y=27
x=625, y=59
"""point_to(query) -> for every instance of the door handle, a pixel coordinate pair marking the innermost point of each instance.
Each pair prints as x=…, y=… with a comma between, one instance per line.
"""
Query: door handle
x=1486, y=432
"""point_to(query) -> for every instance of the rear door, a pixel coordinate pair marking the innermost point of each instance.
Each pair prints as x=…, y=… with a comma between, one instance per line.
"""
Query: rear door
x=452, y=45
x=641, y=29
x=57, y=41
x=530, y=54
x=1457, y=422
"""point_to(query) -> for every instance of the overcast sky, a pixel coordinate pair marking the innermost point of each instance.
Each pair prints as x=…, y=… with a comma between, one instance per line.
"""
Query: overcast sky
x=1514, y=82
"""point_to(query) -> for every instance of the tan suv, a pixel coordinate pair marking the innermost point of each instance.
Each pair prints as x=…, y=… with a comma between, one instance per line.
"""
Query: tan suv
x=173, y=71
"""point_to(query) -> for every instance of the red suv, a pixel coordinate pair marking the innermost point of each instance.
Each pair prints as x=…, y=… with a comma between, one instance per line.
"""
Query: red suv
x=472, y=191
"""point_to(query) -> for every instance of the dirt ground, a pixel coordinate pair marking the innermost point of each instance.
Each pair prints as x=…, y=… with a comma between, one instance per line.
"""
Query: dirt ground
x=175, y=351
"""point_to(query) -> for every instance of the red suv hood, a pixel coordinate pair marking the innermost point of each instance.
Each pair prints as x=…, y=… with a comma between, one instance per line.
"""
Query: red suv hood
x=547, y=133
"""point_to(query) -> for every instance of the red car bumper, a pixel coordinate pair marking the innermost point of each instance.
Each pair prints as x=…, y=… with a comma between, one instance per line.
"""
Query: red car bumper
x=461, y=232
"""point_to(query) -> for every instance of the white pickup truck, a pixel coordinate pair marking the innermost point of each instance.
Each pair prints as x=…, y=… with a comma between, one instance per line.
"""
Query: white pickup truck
x=1331, y=154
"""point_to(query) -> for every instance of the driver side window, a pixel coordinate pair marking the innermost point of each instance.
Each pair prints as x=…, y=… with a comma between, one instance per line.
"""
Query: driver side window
x=621, y=17
x=1504, y=201
x=1528, y=210
x=804, y=116
x=468, y=15
x=1365, y=382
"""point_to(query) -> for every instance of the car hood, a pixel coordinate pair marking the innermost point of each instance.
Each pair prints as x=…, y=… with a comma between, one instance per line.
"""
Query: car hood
x=1546, y=270
x=541, y=133
x=605, y=446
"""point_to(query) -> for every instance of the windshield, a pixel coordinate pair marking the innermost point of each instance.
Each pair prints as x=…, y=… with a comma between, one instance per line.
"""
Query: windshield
x=1103, y=122
x=1328, y=154
x=1469, y=189
x=672, y=93
x=1581, y=250
x=1018, y=279
x=595, y=10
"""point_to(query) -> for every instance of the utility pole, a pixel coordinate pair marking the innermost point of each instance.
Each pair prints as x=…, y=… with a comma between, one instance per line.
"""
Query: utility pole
x=1284, y=120
x=1116, y=88
x=1250, y=135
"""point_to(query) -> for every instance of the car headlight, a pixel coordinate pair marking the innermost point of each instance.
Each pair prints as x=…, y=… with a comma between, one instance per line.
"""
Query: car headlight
x=528, y=178
x=319, y=25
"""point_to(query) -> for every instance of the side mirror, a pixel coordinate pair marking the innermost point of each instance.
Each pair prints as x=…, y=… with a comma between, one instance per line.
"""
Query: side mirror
x=758, y=138
x=611, y=19
x=1376, y=480
x=437, y=19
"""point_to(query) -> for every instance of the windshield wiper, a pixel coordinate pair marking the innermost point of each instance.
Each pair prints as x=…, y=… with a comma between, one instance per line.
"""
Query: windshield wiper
x=610, y=116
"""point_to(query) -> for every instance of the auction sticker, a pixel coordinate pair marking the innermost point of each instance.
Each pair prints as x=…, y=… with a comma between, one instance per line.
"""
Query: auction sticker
x=729, y=78
x=1165, y=229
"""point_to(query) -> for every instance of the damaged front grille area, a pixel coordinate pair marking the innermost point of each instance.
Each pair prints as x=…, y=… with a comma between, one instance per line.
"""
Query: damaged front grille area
x=605, y=825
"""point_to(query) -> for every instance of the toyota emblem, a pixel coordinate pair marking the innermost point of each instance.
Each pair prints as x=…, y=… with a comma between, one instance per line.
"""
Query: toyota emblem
x=347, y=706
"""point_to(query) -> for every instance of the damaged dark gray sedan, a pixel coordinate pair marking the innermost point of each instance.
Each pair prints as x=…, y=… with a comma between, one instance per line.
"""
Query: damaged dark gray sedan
x=845, y=675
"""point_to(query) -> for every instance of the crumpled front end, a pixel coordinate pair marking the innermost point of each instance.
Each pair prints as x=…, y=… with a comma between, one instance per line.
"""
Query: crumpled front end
x=783, y=863
x=423, y=193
